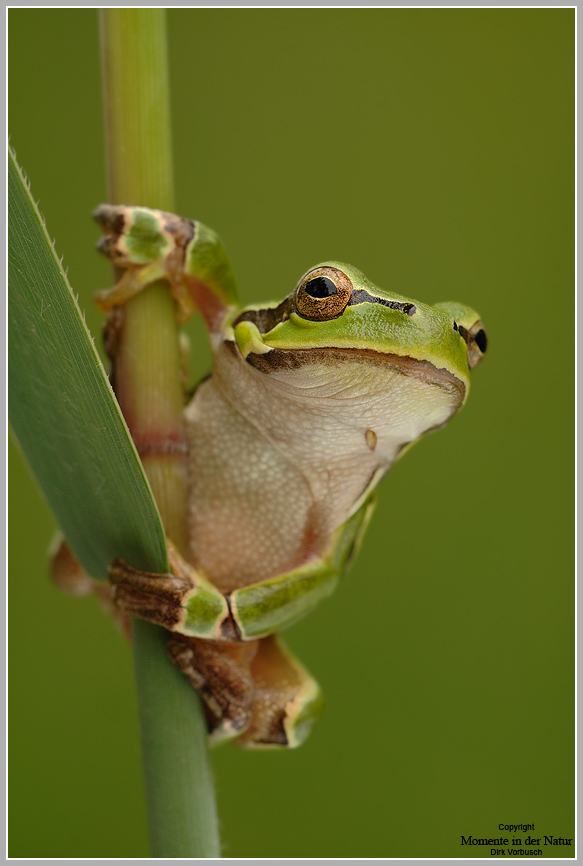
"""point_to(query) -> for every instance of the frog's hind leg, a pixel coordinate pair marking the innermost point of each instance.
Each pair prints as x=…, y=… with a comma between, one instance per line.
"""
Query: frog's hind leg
x=287, y=699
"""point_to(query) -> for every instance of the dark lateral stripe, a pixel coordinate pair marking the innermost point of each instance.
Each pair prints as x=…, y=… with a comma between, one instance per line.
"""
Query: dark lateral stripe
x=361, y=296
x=463, y=332
x=265, y=320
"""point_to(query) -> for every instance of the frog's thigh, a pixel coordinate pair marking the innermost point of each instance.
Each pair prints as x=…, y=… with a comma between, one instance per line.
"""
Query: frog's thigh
x=287, y=699
x=274, y=604
x=220, y=673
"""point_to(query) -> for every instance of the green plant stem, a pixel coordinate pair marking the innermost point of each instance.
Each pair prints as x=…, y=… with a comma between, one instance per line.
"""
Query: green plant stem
x=137, y=106
x=181, y=806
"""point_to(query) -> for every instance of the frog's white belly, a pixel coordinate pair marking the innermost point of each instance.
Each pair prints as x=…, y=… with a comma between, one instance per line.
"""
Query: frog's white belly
x=273, y=477
x=248, y=506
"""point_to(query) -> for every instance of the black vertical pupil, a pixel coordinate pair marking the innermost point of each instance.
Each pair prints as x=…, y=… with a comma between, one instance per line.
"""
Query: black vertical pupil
x=320, y=287
x=481, y=340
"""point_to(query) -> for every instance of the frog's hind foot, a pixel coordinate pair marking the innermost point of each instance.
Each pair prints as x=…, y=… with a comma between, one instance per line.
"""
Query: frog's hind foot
x=255, y=691
x=182, y=601
x=220, y=674
x=287, y=699
x=155, y=597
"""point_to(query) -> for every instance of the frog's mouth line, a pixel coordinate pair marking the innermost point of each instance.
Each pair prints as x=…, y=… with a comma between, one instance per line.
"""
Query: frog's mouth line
x=293, y=359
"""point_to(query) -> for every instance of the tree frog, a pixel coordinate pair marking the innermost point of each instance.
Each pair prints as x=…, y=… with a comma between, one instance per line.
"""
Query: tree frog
x=310, y=401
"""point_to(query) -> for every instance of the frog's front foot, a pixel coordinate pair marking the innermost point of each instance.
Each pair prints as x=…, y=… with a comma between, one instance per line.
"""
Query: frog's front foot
x=150, y=245
x=153, y=245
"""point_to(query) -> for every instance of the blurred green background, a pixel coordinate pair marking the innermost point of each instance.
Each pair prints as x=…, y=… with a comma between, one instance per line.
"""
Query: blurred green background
x=433, y=149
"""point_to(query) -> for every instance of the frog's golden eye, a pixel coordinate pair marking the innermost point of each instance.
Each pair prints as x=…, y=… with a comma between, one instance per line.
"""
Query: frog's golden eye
x=323, y=294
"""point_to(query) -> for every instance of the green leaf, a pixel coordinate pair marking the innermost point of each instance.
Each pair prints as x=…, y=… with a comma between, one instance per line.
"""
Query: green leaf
x=63, y=410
